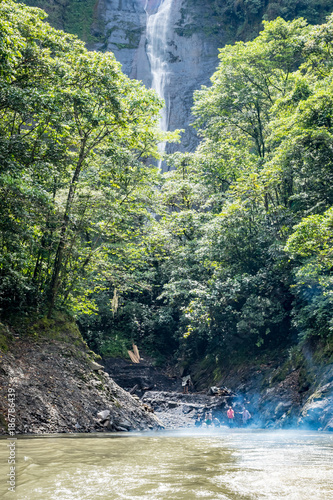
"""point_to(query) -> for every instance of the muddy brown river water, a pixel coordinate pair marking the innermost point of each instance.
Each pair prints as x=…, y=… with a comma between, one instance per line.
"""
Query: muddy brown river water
x=226, y=464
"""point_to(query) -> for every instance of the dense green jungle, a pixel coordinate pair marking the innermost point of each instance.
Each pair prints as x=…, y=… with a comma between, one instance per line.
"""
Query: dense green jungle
x=227, y=256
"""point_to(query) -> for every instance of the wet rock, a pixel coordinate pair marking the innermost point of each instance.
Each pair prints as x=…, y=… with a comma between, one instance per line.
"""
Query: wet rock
x=172, y=404
x=125, y=424
x=329, y=425
x=107, y=424
x=282, y=408
x=317, y=413
x=285, y=394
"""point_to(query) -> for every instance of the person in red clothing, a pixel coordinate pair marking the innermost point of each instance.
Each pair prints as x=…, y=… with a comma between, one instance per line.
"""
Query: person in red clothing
x=231, y=416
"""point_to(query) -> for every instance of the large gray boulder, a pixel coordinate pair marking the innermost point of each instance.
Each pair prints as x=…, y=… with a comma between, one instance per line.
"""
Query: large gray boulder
x=317, y=413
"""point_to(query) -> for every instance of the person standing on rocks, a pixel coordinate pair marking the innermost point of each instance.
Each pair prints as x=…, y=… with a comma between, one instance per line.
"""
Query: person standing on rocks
x=231, y=416
x=245, y=416
x=186, y=381
x=209, y=419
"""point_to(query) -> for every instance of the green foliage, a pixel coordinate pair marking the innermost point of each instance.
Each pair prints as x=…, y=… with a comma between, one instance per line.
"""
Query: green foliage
x=311, y=242
x=220, y=270
x=60, y=327
x=263, y=165
x=229, y=252
x=232, y=20
x=5, y=338
x=75, y=186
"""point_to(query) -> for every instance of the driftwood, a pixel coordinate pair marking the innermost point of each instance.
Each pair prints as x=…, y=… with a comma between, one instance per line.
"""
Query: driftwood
x=134, y=355
x=136, y=351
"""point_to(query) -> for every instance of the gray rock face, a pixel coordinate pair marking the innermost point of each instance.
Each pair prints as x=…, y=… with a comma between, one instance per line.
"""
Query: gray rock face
x=95, y=366
x=191, y=56
x=125, y=25
x=177, y=410
x=138, y=378
x=318, y=410
x=103, y=415
x=56, y=391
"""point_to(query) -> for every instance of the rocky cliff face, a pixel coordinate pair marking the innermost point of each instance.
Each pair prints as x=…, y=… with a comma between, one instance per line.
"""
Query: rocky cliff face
x=191, y=32
x=189, y=55
x=286, y=390
x=280, y=393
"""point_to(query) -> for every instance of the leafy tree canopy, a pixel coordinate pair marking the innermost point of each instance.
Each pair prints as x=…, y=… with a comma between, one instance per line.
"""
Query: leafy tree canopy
x=231, y=250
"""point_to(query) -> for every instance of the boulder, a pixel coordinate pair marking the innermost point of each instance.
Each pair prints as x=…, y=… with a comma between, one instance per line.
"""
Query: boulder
x=103, y=415
x=317, y=413
x=95, y=366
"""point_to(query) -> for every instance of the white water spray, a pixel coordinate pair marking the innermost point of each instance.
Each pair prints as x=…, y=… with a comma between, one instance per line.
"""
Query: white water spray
x=157, y=51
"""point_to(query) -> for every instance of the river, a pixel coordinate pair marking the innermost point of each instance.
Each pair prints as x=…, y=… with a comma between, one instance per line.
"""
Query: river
x=200, y=464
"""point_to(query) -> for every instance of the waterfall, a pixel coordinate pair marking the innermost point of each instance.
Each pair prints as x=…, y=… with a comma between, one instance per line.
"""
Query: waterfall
x=158, y=16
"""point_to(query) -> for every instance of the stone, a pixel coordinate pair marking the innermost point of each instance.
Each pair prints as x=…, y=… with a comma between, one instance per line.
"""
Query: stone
x=282, y=408
x=95, y=366
x=317, y=413
x=103, y=415
x=172, y=404
x=329, y=425
x=125, y=424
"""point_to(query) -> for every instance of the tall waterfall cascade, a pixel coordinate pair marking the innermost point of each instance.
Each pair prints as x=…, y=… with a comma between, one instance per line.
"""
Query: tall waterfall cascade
x=161, y=43
x=157, y=31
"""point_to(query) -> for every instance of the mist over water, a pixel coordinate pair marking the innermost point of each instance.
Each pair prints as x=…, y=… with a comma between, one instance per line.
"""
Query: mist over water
x=219, y=464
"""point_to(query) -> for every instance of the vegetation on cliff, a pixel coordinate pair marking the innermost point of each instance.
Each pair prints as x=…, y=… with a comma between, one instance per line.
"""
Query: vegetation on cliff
x=229, y=20
x=230, y=251
x=79, y=17
x=233, y=20
x=240, y=257
x=75, y=133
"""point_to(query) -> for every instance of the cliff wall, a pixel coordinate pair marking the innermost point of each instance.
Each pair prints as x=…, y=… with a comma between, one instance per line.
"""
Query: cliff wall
x=195, y=31
x=191, y=55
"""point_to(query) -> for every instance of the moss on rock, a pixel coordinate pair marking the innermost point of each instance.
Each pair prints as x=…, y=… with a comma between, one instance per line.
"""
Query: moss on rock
x=78, y=17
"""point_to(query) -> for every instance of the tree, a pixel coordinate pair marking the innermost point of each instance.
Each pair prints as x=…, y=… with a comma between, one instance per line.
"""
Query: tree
x=75, y=135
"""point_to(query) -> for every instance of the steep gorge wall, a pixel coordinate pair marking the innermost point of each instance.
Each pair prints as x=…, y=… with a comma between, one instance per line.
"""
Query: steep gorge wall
x=189, y=59
x=195, y=31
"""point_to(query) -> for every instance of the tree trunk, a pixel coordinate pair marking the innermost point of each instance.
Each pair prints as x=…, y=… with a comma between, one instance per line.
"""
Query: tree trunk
x=55, y=280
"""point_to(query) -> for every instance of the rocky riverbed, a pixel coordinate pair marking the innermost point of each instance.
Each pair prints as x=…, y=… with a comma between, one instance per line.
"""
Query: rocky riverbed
x=278, y=394
x=59, y=387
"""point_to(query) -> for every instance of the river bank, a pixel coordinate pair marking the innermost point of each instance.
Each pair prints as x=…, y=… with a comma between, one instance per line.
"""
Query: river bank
x=60, y=388
x=286, y=390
